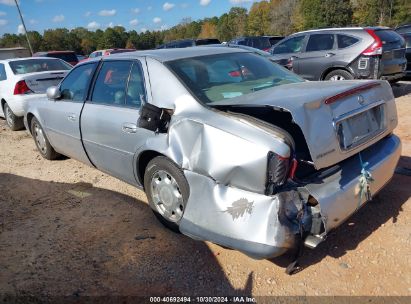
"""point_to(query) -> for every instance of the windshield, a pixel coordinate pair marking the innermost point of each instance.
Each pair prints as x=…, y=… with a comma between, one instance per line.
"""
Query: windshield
x=215, y=78
x=68, y=57
x=38, y=65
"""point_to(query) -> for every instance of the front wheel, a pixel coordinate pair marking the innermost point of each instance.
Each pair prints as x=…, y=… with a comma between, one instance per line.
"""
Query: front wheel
x=42, y=143
x=167, y=191
x=337, y=75
x=14, y=122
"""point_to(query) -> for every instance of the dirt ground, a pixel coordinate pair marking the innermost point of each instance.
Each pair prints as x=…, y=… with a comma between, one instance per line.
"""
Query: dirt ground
x=68, y=229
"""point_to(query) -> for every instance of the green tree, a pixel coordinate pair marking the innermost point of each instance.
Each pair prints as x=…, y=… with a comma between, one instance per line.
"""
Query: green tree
x=325, y=13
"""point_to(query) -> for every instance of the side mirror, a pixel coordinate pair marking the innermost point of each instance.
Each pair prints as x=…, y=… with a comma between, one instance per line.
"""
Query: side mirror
x=53, y=93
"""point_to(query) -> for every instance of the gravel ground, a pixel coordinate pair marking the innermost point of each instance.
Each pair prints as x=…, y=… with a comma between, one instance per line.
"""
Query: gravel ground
x=68, y=229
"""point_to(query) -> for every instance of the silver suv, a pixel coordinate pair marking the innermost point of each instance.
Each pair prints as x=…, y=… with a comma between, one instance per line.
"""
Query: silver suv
x=344, y=53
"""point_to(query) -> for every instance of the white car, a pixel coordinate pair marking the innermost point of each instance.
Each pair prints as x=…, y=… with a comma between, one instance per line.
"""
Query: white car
x=22, y=79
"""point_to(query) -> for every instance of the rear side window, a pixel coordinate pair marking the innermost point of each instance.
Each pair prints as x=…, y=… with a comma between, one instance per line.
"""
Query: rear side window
x=345, y=41
x=110, y=87
x=136, y=92
x=3, y=75
x=320, y=42
x=74, y=86
x=292, y=45
x=275, y=40
x=183, y=44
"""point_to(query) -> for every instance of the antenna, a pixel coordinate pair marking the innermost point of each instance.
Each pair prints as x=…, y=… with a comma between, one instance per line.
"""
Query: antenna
x=24, y=26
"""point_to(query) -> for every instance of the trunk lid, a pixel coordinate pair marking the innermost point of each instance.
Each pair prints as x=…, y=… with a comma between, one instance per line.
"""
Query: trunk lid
x=39, y=82
x=337, y=118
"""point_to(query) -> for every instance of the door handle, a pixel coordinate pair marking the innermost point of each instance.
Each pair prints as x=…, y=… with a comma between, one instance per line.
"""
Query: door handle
x=329, y=54
x=72, y=117
x=129, y=128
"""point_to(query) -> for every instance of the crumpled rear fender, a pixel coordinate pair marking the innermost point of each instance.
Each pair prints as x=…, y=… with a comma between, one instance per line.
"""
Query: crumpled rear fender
x=220, y=155
x=252, y=223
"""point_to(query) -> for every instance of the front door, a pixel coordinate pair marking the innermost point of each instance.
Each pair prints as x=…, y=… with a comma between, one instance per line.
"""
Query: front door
x=62, y=120
x=109, y=119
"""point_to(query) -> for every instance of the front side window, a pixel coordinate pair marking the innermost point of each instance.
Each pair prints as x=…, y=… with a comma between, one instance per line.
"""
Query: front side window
x=293, y=45
x=38, y=65
x=3, y=75
x=74, y=86
x=320, y=42
x=215, y=78
x=110, y=86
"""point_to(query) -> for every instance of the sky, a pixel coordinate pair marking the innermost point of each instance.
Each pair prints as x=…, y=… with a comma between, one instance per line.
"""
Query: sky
x=139, y=15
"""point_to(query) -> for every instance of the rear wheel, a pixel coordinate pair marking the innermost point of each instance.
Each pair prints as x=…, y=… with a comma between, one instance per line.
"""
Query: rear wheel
x=42, y=143
x=337, y=75
x=14, y=122
x=167, y=191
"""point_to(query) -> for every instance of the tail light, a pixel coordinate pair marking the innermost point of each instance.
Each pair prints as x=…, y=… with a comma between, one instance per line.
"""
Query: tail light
x=106, y=53
x=267, y=50
x=21, y=88
x=235, y=73
x=376, y=47
x=277, y=172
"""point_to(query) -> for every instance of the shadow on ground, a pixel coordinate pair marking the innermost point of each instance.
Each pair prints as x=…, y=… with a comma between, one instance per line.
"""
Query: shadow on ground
x=402, y=88
x=76, y=239
x=386, y=206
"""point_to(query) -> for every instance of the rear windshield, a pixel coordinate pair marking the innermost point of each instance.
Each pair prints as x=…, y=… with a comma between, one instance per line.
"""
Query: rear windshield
x=407, y=41
x=215, y=78
x=207, y=41
x=388, y=35
x=68, y=57
x=274, y=40
x=37, y=65
x=261, y=43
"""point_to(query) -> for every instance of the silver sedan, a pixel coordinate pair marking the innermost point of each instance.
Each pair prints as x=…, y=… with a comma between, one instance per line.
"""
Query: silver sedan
x=228, y=146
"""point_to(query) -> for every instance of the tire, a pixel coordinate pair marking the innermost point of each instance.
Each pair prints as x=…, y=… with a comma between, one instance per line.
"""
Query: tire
x=41, y=141
x=167, y=191
x=339, y=75
x=14, y=122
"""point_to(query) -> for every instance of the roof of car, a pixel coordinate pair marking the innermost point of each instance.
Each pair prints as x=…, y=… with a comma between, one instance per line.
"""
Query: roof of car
x=27, y=58
x=164, y=55
x=344, y=29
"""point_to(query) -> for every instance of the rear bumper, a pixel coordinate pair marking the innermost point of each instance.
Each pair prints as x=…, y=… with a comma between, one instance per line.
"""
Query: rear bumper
x=338, y=195
x=18, y=103
x=258, y=225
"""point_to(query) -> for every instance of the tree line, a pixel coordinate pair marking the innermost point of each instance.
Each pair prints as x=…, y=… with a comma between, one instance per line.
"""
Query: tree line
x=267, y=17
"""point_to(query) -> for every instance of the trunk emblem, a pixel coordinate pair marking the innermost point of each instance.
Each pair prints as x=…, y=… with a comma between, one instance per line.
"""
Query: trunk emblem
x=361, y=100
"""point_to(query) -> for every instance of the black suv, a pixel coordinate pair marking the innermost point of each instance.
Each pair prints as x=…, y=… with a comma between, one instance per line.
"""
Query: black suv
x=259, y=42
x=188, y=42
x=344, y=53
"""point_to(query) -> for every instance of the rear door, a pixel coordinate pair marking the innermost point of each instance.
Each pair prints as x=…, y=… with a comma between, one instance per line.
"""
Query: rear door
x=393, y=52
x=320, y=53
x=62, y=119
x=109, y=118
x=289, y=49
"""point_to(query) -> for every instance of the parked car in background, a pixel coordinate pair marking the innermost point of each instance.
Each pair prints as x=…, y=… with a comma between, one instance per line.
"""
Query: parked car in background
x=23, y=79
x=17, y=52
x=259, y=42
x=67, y=56
x=247, y=48
x=229, y=147
x=188, y=42
x=107, y=52
x=402, y=29
x=344, y=53
x=407, y=37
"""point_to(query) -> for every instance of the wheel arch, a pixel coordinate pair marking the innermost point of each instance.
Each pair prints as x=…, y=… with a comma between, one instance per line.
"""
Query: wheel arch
x=333, y=68
x=29, y=119
x=142, y=161
x=2, y=103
